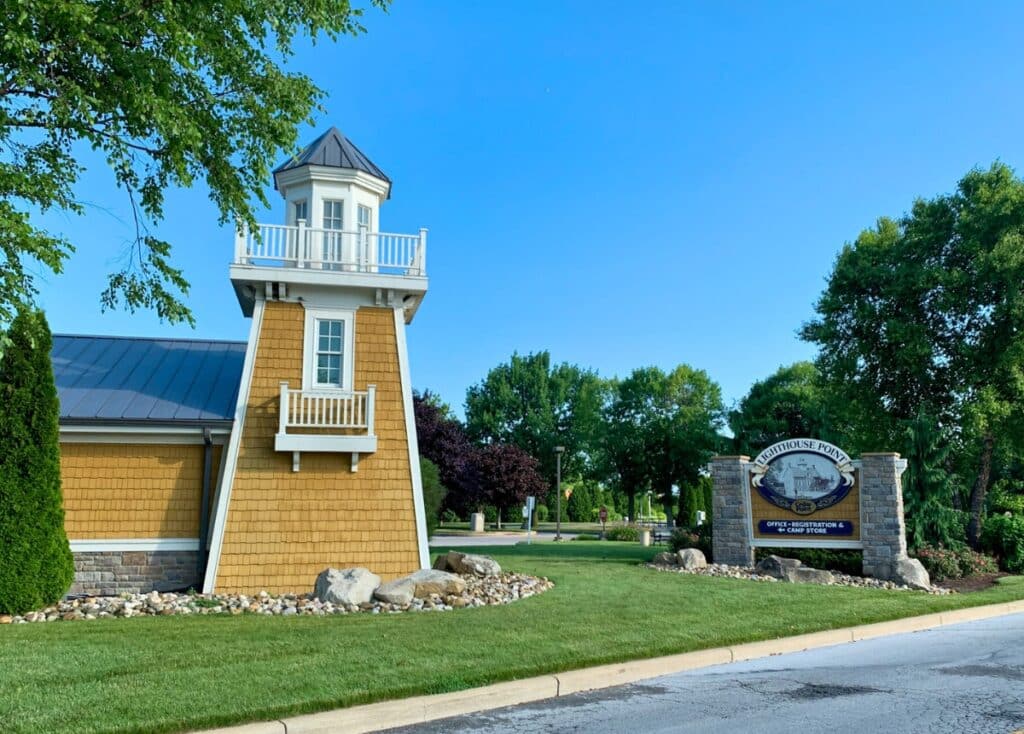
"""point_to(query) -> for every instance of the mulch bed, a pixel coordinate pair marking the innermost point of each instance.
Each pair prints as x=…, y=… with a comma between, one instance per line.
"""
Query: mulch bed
x=980, y=582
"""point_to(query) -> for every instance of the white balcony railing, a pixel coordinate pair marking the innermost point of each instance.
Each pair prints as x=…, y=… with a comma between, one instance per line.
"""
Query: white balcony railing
x=321, y=421
x=299, y=246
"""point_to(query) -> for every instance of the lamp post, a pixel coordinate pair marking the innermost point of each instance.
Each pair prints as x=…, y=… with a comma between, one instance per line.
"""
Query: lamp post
x=558, y=490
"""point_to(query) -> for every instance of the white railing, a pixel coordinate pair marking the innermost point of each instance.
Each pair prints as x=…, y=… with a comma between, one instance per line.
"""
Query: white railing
x=338, y=411
x=362, y=251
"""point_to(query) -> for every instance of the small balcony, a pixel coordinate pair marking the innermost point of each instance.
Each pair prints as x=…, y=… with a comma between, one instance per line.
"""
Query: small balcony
x=340, y=251
x=321, y=421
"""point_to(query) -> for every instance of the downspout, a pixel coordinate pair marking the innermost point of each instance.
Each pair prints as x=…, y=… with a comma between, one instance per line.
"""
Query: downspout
x=204, y=506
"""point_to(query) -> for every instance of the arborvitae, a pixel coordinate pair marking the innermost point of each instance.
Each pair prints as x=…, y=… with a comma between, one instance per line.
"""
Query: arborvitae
x=36, y=566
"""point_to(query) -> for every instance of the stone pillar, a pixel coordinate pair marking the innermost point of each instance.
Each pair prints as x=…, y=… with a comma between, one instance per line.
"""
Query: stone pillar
x=729, y=535
x=881, y=513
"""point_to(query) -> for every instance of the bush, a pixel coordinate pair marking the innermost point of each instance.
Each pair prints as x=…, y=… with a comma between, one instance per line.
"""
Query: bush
x=587, y=536
x=448, y=517
x=628, y=533
x=1002, y=499
x=433, y=493
x=953, y=563
x=849, y=562
x=1003, y=537
x=37, y=567
x=699, y=538
x=542, y=513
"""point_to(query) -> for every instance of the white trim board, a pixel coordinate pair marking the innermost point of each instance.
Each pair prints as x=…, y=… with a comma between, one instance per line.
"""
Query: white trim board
x=309, y=348
x=104, y=545
x=223, y=498
x=176, y=435
x=411, y=440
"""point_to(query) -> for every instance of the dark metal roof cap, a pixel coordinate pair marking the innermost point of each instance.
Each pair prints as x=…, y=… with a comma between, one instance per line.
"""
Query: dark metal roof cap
x=107, y=379
x=334, y=150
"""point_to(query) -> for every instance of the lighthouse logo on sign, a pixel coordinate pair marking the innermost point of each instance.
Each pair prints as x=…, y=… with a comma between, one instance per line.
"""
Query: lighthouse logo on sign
x=803, y=475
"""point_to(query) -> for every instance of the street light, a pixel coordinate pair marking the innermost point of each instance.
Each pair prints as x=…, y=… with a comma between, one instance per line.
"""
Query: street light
x=559, y=450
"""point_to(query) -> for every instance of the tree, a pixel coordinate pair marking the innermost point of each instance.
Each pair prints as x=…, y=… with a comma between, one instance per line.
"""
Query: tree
x=662, y=429
x=928, y=487
x=537, y=406
x=509, y=475
x=926, y=313
x=787, y=404
x=433, y=494
x=168, y=93
x=443, y=441
x=36, y=567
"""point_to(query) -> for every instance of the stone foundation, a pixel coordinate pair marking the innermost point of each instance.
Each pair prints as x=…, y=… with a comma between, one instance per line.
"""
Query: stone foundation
x=110, y=573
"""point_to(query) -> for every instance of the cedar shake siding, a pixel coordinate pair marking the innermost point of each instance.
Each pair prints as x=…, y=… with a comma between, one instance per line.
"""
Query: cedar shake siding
x=283, y=527
x=117, y=491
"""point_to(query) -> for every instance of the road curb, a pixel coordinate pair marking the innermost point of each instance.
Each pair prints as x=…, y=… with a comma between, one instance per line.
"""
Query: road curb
x=420, y=709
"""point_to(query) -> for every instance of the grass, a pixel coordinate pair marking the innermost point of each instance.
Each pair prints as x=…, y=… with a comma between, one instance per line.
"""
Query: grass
x=164, y=674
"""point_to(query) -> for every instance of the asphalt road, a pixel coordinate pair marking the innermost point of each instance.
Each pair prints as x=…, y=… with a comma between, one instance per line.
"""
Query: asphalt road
x=963, y=678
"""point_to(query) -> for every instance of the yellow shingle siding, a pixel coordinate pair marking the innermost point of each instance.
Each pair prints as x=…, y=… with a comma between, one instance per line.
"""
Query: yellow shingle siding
x=284, y=527
x=132, y=490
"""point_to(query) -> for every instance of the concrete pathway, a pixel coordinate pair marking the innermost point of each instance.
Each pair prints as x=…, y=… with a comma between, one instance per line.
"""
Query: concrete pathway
x=961, y=678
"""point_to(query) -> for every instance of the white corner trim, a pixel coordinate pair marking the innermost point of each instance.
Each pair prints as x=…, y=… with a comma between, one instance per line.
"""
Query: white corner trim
x=411, y=440
x=103, y=545
x=223, y=499
x=309, y=339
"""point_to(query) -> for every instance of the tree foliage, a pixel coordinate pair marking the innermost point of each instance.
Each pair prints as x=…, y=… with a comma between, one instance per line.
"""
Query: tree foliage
x=36, y=566
x=788, y=404
x=927, y=313
x=509, y=475
x=536, y=405
x=443, y=440
x=928, y=488
x=661, y=429
x=433, y=494
x=168, y=93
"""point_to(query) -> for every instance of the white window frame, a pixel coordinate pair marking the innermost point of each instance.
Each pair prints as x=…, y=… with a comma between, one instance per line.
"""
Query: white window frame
x=360, y=208
x=295, y=211
x=309, y=348
x=323, y=215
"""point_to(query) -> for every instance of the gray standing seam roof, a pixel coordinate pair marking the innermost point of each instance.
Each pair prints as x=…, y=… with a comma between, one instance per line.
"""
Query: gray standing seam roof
x=334, y=150
x=104, y=379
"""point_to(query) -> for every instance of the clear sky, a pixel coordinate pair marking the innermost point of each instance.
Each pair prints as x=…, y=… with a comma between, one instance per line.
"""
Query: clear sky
x=623, y=184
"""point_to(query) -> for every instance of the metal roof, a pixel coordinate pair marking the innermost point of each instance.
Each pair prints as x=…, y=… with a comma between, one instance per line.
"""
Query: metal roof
x=334, y=150
x=134, y=379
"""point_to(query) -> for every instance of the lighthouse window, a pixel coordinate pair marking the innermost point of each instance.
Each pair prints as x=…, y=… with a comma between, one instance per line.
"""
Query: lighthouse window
x=328, y=349
x=329, y=352
x=333, y=217
x=302, y=211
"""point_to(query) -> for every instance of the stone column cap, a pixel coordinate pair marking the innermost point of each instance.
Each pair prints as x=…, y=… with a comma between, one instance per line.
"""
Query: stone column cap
x=894, y=454
x=738, y=457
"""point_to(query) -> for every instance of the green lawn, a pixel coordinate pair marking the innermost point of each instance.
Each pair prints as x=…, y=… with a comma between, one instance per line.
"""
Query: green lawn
x=177, y=673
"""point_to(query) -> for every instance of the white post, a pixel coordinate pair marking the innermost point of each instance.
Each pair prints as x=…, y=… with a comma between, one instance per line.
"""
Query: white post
x=241, y=232
x=371, y=400
x=300, y=242
x=282, y=424
x=423, y=250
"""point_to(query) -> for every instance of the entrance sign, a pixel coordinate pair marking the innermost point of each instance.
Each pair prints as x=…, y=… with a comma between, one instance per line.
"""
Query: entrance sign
x=803, y=492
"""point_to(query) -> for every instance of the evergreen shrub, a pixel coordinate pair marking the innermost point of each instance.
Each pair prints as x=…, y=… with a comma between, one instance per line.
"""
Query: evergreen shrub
x=1003, y=537
x=36, y=566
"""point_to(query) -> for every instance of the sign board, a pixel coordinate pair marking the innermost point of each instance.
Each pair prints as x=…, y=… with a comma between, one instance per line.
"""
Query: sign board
x=603, y=514
x=804, y=490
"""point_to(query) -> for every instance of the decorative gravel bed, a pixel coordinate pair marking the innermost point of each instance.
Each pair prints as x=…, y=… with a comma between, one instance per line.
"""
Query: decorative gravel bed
x=839, y=579
x=503, y=588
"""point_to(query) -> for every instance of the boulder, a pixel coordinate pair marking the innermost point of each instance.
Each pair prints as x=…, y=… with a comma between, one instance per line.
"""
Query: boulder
x=441, y=562
x=778, y=567
x=400, y=591
x=910, y=572
x=474, y=565
x=664, y=559
x=432, y=581
x=691, y=558
x=346, y=586
x=807, y=575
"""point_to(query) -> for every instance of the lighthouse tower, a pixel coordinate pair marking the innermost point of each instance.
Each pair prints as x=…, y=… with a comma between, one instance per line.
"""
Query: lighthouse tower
x=321, y=468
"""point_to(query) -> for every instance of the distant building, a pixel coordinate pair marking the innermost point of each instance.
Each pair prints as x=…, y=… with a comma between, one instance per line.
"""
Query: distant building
x=242, y=466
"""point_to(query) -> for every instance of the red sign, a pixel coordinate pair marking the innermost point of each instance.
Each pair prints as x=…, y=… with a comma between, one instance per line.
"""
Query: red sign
x=603, y=514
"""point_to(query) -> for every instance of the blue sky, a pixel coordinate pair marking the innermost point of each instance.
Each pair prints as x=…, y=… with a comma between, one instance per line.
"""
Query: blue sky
x=623, y=185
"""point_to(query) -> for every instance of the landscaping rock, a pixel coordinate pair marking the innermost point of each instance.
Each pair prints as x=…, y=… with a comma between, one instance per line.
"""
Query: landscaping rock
x=778, y=567
x=808, y=575
x=400, y=591
x=665, y=559
x=346, y=586
x=691, y=558
x=910, y=572
x=432, y=581
x=469, y=564
x=441, y=562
